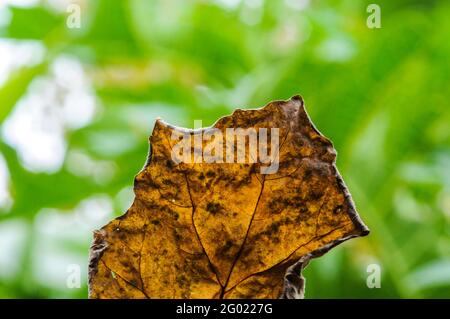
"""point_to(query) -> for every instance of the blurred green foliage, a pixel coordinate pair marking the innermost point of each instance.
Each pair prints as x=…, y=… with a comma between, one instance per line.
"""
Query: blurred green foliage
x=381, y=95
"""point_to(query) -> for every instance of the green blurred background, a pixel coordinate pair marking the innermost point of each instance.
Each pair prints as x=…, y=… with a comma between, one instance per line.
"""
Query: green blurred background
x=78, y=104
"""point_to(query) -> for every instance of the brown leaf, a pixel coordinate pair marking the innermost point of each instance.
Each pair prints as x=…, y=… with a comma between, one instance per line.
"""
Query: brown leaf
x=225, y=230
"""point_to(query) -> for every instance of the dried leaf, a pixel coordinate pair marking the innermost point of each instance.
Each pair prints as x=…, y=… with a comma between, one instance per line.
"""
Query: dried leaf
x=225, y=230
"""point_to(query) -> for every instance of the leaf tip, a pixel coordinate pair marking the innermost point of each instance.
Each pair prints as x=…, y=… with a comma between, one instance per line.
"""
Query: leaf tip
x=299, y=99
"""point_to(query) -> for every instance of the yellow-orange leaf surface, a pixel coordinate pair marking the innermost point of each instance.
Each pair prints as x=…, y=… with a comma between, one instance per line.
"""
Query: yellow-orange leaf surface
x=224, y=230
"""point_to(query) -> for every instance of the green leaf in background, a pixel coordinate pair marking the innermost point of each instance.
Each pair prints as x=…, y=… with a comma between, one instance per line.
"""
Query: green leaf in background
x=16, y=86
